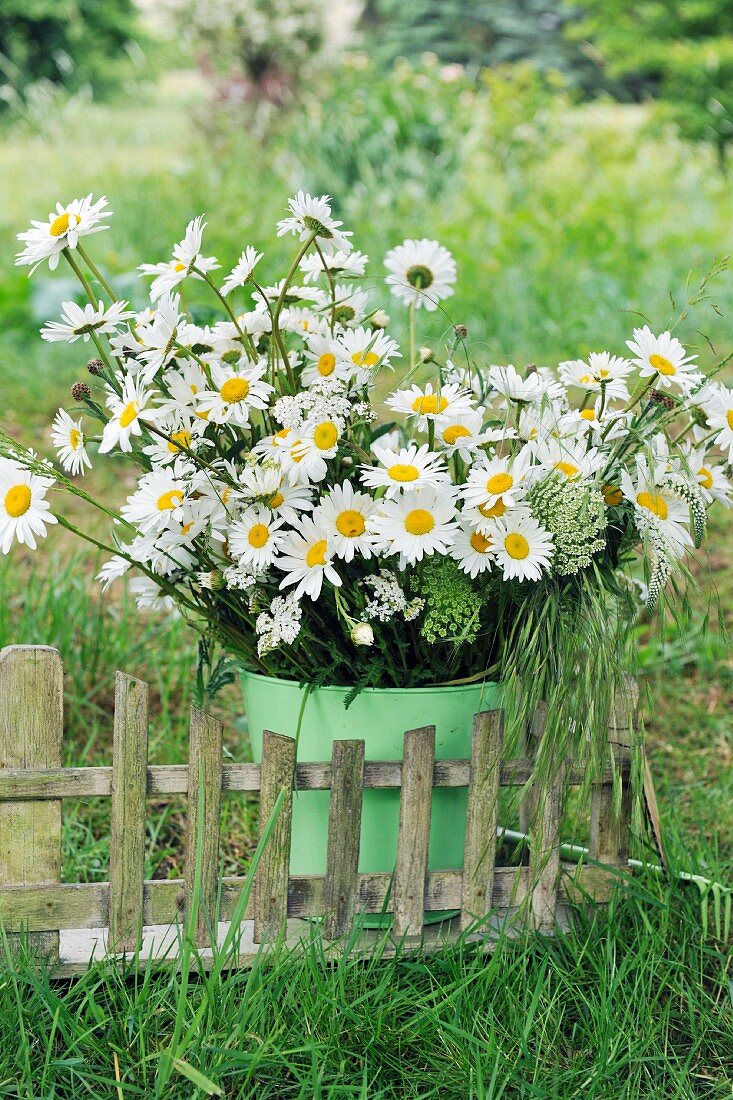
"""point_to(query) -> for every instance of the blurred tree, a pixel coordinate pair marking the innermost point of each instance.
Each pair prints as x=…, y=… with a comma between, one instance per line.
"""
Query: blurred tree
x=479, y=33
x=680, y=51
x=69, y=42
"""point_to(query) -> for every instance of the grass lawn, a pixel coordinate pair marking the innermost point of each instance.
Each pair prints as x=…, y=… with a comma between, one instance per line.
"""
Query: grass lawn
x=557, y=236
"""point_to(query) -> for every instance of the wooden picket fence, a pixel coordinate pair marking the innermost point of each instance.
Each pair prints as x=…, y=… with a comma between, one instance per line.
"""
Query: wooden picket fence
x=70, y=922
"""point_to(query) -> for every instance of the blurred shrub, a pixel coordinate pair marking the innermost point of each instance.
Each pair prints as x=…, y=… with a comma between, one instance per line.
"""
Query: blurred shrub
x=680, y=52
x=63, y=42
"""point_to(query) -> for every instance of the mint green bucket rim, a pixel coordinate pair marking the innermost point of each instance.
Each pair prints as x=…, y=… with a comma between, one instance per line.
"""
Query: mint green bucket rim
x=430, y=690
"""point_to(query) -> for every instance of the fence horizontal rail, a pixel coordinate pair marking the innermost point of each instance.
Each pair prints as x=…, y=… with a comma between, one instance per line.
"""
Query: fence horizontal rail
x=38, y=784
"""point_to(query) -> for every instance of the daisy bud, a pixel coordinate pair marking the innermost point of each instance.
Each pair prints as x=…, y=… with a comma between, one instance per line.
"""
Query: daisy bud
x=362, y=634
x=461, y=332
x=95, y=366
x=212, y=580
x=656, y=397
x=380, y=319
x=426, y=355
x=80, y=390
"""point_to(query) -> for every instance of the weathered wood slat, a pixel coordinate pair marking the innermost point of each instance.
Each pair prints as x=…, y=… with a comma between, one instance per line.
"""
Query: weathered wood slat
x=21, y=784
x=413, y=836
x=31, y=729
x=609, y=829
x=482, y=816
x=530, y=746
x=204, y=817
x=127, y=819
x=271, y=883
x=86, y=904
x=544, y=805
x=344, y=829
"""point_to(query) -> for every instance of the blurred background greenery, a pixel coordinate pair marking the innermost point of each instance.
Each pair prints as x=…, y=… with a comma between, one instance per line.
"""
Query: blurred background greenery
x=574, y=157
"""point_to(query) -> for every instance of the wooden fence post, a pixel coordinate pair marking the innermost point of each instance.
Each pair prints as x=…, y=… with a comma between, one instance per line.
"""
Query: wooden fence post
x=127, y=818
x=31, y=730
x=344, y=828
x=204, y=817
x=544, y=827
x=271, y=883
x=609, y=830
x=413, y=837
x=482, y=816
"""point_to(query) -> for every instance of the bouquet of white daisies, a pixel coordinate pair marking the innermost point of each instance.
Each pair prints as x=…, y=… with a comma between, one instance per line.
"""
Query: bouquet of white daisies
x=331, y=507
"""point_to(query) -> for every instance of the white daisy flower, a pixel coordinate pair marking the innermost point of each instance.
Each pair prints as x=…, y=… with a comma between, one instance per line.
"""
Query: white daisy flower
x=523, y=548
x=344, y=514
x=568, y=457
x=719, y=411
x=186, y=255
x=182, y=436
x=68, y=439
x=416, y=524
x=47, y=240
x=338, y=263
x=303, y=321
x=711, y=481
x=162, y=336
x=304, y=460
x=184, y=386
x=349, y=307
x=656, y=505
x=472, y=549
x=24, y=510
x=149, y=596
x=128, y=411
x=242, y=271
x=157, y=502
x=425, y=403
x=255, y=537
x=420, y=272
x=510, y=384
x=305, y=558
x=364, y=351
x=112, y=570
x=461, y=434
x=497, y=481
x=322, y=360
x=237, y=393
x=664, y=359
x=312, y=216
x=602, y=372
x=610, y=424
x=80, y=322
x=409, y=468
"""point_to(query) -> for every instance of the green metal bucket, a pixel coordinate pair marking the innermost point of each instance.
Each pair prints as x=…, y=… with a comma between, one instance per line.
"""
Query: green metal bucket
x=380, y=717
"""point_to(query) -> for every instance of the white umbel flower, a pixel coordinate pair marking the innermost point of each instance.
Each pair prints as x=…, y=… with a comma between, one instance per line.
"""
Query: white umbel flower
x=410, y=468
x=306, y=560
x=344, y=514
x=68, y=439
x=312, y=216
x=128, y=411
x=186, y=256
x=416, y=525
x=24, y=510
x=523, y=548
x=79, y=322
x=421, y=272
x=47, y=240
x=237, y=393
x=664, y=359
x=255, y=538
x=242, y=271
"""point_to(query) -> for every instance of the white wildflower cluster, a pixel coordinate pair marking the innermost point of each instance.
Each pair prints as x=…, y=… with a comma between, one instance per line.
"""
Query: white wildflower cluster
x=263, y=470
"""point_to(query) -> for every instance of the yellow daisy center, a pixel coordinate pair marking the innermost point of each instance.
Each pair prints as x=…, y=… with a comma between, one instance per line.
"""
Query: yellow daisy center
x=350, y=523
x=258, y=535
x=403, y=472
x=705, y=477
x=75, y=438
x=276, y=500
x=296, y=451
x=170, y=500
x=499, y=483
x=234, y=390
x=317, y=554
x=282, y=433
x=495, y=510
x=419, y=521
x=61, y=224
x=178, y=440
x=479, y=542
x=653, y=502
x=516, y=545
x=428, y=403
x=612, y=495
x=179, y=267
x=588, y=414
x=454, y=433
x=584, y=379
x=128, y=414
x=365, y=358
x=17, y=500
x=326, y=364
x=729, y=418
x=662, y=364
x=567, y=468
x=325, y=435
